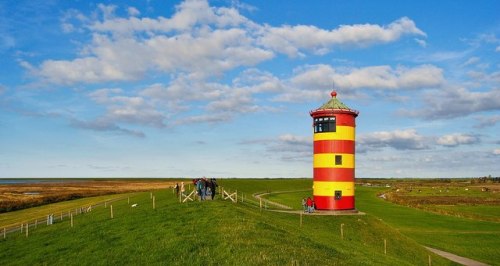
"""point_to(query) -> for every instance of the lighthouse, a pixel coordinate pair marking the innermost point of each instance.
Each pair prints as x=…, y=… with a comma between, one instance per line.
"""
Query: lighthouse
x=334, y=155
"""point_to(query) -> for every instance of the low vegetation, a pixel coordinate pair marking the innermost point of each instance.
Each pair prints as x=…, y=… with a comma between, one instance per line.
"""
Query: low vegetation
x=19, y=196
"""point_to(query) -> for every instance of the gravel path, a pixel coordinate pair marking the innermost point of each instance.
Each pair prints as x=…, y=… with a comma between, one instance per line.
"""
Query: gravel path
x=456, y=258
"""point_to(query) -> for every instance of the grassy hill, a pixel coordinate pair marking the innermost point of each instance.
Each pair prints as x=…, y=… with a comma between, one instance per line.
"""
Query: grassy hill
x=213, y=233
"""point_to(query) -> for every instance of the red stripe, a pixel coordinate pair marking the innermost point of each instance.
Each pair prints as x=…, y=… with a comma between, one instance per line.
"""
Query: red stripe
x=343, y=118
x=329, y=203
x=334, y=146
x=334, y=174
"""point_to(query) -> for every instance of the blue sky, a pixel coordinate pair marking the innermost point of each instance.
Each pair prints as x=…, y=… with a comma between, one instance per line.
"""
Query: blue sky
x=224, y=88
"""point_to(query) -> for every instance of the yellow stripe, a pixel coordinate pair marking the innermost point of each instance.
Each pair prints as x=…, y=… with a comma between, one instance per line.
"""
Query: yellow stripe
x=342, y=133
x=323, y=188
x=327, y=160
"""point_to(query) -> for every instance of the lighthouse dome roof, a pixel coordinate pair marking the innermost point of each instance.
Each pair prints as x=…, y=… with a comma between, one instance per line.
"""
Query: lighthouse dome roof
x=335, y=104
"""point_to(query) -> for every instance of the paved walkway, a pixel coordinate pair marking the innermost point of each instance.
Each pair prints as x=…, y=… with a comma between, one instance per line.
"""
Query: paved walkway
x=455, y=258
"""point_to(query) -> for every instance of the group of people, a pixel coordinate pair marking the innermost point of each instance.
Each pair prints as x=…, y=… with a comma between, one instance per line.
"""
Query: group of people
x=204, y=187
x=308, y=205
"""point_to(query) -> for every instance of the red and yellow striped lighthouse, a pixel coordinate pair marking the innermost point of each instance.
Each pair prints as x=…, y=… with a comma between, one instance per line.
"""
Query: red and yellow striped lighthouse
x=334, y=150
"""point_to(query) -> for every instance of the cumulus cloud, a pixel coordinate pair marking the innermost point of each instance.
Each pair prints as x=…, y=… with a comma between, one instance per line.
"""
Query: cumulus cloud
x=126, y=109
x=456, y=139
x=198, y=38
x=288, y=147
x=407, y=139
x=487, y=121
x=291, y=40
x=453, y=102
x=310, y=82
x=104, y=125
x=132, y=11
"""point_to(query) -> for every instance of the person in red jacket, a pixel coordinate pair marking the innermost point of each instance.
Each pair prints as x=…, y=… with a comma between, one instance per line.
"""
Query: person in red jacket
x=309, y=203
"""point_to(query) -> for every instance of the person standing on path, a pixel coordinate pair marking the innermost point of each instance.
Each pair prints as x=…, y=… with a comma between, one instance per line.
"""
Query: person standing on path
x=309, y=203
x=213, y=187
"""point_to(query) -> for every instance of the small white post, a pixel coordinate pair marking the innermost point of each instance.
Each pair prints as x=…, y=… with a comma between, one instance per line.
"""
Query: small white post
x=154, y=199
x=111, y=208
x=385, y=246
x=71, y=216
x=342, y=231
x=260, y=200
x=27, y=229
x=430, y=261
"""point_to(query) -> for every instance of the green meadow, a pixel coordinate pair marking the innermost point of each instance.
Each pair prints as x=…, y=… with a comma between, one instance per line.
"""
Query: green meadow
x=220, y=232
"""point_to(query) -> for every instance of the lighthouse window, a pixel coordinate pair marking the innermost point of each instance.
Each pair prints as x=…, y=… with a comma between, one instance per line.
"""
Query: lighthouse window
x=325, y=124
x=338, y=159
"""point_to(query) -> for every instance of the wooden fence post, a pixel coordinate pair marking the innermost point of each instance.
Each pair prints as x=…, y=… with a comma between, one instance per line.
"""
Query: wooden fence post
x=236, y=201
x=430, y=261
x=342, y=231
x=385, y=246
x=27, y=229
x=111, y=208
x=154, y=200
x=71, y=217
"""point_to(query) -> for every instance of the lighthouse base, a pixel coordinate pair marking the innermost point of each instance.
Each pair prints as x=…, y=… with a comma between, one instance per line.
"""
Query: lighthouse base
x=330, y=203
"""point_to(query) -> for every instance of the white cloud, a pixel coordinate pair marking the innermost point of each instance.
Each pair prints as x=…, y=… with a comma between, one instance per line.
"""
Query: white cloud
x=126, y=109
x=497, y=49
x=453, y=102
x=133, y=12
x=488, y=121
x=496, y=151
x=407, y=139
x=291, y=40
x=456, y=139
x=197, y=39
x=311, y=82
x=421, y=42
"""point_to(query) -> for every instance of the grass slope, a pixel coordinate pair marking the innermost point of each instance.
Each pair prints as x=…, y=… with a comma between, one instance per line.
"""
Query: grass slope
x=210, y=233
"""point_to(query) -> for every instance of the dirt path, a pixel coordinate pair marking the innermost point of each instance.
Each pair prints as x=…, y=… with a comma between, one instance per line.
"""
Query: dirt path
x=456, y=258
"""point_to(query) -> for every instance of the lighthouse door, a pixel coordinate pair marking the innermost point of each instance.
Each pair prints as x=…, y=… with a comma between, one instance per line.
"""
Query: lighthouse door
x=338, y=194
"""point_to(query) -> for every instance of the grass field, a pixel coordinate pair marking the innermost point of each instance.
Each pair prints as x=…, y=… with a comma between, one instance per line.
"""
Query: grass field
x=467, y=237
x=213, y=233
